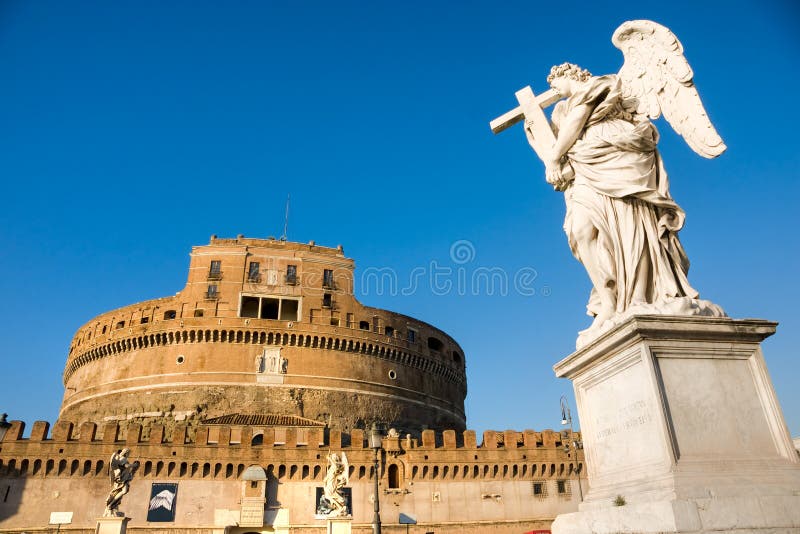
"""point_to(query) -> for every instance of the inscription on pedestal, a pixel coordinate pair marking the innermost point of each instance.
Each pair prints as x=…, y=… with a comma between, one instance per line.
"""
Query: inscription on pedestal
x=621, y=419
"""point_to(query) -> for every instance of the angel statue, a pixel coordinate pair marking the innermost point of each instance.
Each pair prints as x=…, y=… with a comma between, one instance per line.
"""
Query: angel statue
x=621, y=222
x=333, y=502
x=121, y=473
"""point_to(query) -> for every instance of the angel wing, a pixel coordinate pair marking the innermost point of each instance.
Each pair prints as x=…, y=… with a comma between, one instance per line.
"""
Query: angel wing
x=657, y=75
x=346, y=470
x=112, y=466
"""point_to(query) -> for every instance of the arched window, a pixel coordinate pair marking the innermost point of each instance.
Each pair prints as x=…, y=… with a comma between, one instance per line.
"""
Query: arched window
x=435, y=344
x=394, y=476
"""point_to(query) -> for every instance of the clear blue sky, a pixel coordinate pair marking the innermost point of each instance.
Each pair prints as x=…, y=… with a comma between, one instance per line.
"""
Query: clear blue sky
x=130, y=131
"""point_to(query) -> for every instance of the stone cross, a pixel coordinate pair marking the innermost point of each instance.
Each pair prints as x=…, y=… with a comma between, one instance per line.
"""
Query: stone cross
x=530, y=109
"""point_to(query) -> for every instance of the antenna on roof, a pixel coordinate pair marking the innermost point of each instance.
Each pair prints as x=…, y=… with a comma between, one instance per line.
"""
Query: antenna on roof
x=286, y=220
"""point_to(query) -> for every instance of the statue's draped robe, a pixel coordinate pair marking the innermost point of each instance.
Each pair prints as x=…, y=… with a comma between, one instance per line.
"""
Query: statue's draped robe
x=335, y=480
x=621, y=184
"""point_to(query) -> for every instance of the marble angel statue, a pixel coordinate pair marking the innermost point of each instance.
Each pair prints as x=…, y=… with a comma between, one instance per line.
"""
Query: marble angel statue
x=121, y=473
x=621, y=222
x=333, y=502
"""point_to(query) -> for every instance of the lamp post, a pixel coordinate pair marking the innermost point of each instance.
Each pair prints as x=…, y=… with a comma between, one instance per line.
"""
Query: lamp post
x=375, y=444
x=566, y=419
x=4, y=425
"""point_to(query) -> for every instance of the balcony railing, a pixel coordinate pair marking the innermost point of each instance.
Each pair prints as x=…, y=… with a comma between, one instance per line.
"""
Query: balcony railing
x=215, y=275
x=211, y=295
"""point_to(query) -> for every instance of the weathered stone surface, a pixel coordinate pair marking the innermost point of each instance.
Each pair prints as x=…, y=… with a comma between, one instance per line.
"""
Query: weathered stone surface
x=448, y=486
x=680, y=420
x=332, y=359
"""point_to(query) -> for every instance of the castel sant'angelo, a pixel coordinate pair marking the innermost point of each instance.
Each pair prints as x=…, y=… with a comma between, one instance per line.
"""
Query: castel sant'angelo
x=269, y=328
x=232, y=394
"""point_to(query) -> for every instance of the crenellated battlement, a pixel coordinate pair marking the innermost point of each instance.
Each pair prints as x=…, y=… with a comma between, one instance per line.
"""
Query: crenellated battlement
x=132, y=433
x=225, y=451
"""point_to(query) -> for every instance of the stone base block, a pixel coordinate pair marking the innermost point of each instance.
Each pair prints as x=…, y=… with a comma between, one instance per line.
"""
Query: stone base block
x=762, y=515
x=340, y=525
x=679, y=418
x=112, y=525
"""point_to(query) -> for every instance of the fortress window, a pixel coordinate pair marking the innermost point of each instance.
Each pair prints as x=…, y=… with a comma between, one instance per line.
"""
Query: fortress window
x=327, y=300
x=215, y=271
x=435, y=344
x=170, y=314
x=412, y=335
x=363, y=325
x=394, y=477
x=198, y=313
x=104, y=328
x=252, y=272
x=456, y=357
x=144, y=320
x=562, y=486
x=327, y=279
x=291, y=274
x=249, y=307
x=288, y=311
x=538, y=488
x=269, y=308
x=212, y=293
x=120, y=324
x=389, y=331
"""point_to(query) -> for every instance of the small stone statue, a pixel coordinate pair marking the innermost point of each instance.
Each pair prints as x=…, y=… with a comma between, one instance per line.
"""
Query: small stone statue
x=121, y=473
x=333, y=503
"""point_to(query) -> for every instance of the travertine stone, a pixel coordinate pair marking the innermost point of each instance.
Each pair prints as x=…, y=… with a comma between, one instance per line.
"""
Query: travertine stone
x=205, y=353
x=112, y=525
x=679, y=417
x=479, y=490
x=339, y=526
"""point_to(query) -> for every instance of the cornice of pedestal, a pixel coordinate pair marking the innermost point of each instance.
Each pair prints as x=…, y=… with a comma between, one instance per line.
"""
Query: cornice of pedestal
x=664, y=327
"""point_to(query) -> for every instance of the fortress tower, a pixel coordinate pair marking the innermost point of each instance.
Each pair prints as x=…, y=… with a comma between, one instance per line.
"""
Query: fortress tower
x=264, y=328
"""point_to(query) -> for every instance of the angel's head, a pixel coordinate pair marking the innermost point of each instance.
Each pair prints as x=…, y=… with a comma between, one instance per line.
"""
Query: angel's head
x=563, y=77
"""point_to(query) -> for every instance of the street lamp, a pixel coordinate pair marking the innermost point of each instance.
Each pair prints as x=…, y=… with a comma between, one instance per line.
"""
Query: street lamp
x=4, y=425
x=566, y=419
x=375, y=444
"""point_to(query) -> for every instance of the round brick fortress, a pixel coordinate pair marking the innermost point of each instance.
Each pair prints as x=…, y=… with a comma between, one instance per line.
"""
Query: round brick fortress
x=265, y=327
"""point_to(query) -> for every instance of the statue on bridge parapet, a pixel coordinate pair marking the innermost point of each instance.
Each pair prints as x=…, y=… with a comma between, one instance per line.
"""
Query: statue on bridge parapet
x=121, y=473
x=334, y=502
x=600, y=150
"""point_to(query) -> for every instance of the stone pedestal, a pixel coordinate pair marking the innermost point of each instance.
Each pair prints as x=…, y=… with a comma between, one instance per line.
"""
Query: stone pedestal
x=112, y=525
x=680, y=419
x=340, y=525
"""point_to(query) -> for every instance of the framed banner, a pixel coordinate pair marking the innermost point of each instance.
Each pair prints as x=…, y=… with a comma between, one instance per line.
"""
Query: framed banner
x=163, y=499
